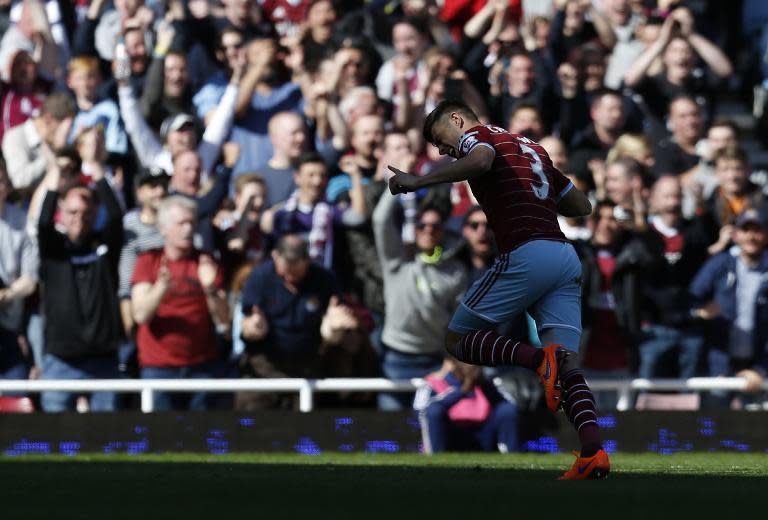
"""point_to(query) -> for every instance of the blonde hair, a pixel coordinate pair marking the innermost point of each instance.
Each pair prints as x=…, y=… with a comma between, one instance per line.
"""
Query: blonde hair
x=248, y=178
x=98, y=127
x=83, y=63
x=629, y=145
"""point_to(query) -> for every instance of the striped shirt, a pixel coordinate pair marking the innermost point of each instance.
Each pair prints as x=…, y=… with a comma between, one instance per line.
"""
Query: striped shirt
x=139, y=238
x=520, y=193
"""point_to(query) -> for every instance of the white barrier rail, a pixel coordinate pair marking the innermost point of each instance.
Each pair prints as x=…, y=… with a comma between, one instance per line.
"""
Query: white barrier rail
x=306, y=388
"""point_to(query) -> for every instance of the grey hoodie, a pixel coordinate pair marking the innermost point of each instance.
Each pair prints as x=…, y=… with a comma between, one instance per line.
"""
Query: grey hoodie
x=420, y=297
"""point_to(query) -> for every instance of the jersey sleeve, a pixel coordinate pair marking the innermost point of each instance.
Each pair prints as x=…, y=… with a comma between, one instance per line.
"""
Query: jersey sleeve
x=474, y=137
x=560, y=183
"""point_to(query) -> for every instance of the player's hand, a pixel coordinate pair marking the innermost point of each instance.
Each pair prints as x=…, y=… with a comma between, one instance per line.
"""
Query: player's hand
x=402, y=182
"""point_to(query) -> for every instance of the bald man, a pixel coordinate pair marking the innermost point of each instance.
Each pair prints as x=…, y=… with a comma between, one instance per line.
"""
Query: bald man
x=288, y=137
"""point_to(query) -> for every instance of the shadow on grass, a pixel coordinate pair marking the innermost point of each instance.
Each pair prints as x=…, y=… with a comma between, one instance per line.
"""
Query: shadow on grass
x=184, y=490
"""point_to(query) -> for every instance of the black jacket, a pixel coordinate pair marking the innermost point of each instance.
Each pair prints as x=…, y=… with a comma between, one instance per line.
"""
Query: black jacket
x=665, y=298
x=79, y=283
x=633, y=255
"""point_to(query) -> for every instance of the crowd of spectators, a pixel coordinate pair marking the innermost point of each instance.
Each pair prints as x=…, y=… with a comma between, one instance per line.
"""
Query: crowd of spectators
x=196, y=189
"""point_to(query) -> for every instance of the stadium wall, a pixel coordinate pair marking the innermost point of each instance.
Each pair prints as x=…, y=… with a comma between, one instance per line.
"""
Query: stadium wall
x=359, y=431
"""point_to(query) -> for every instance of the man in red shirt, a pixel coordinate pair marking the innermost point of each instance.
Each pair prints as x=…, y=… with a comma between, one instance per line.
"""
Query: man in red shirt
x=537, y=269
x=179, y=304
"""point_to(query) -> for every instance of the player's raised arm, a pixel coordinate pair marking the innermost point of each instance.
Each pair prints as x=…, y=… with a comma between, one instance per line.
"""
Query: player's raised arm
x=478, y=162
x=446, y=127
x=574, y=204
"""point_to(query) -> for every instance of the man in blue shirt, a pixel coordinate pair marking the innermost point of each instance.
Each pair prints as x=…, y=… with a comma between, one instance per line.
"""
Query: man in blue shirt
x=285, y=302
x=729, y=294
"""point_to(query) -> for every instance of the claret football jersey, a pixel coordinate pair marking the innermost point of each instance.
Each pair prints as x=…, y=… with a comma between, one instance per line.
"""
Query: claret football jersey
x=520, y=193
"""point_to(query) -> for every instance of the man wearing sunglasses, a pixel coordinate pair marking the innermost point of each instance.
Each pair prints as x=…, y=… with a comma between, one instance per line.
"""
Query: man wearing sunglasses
x=481, y=247
x=421, y=289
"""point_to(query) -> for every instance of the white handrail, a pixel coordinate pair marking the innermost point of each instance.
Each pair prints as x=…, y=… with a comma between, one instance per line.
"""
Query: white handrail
x=307, y=387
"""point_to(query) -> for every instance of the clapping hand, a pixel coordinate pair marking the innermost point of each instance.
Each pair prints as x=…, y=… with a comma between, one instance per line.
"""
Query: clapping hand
x=338, y=319
x=206, y=273
x=255, y=326
x=163, y=275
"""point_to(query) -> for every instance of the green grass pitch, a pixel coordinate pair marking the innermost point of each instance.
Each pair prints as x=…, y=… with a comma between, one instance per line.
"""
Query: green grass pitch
x=396, y=487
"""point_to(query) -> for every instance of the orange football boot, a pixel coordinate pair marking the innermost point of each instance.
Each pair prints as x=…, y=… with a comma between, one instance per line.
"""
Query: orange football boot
x=549, y=377
x=588, y=468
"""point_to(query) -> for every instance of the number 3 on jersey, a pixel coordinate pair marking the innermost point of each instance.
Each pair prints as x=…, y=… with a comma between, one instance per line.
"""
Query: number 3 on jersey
x=537, y=168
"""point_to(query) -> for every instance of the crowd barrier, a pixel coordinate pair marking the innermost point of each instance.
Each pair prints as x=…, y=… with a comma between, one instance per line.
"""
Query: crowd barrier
x=306, y=388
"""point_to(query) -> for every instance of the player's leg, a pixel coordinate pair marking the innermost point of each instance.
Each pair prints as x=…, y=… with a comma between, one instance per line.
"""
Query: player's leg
x=558, y=315
x=503, y=292
x=510, y=286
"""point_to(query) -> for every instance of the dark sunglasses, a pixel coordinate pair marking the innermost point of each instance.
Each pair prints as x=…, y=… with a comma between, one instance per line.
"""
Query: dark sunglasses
x=437, y=226
x=476, y=225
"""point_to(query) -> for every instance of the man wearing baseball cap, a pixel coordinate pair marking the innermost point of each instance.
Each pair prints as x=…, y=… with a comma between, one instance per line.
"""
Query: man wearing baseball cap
x=730, y=297
x=178, y=132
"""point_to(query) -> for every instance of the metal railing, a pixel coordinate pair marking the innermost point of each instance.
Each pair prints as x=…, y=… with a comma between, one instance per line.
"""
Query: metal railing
x=306, y=388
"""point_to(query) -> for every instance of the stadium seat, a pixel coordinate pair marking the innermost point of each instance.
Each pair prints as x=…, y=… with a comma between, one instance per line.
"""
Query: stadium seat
x=16, y=405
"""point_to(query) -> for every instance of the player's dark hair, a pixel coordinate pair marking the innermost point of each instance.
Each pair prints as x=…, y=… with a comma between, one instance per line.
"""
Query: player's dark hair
x=444, y=107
